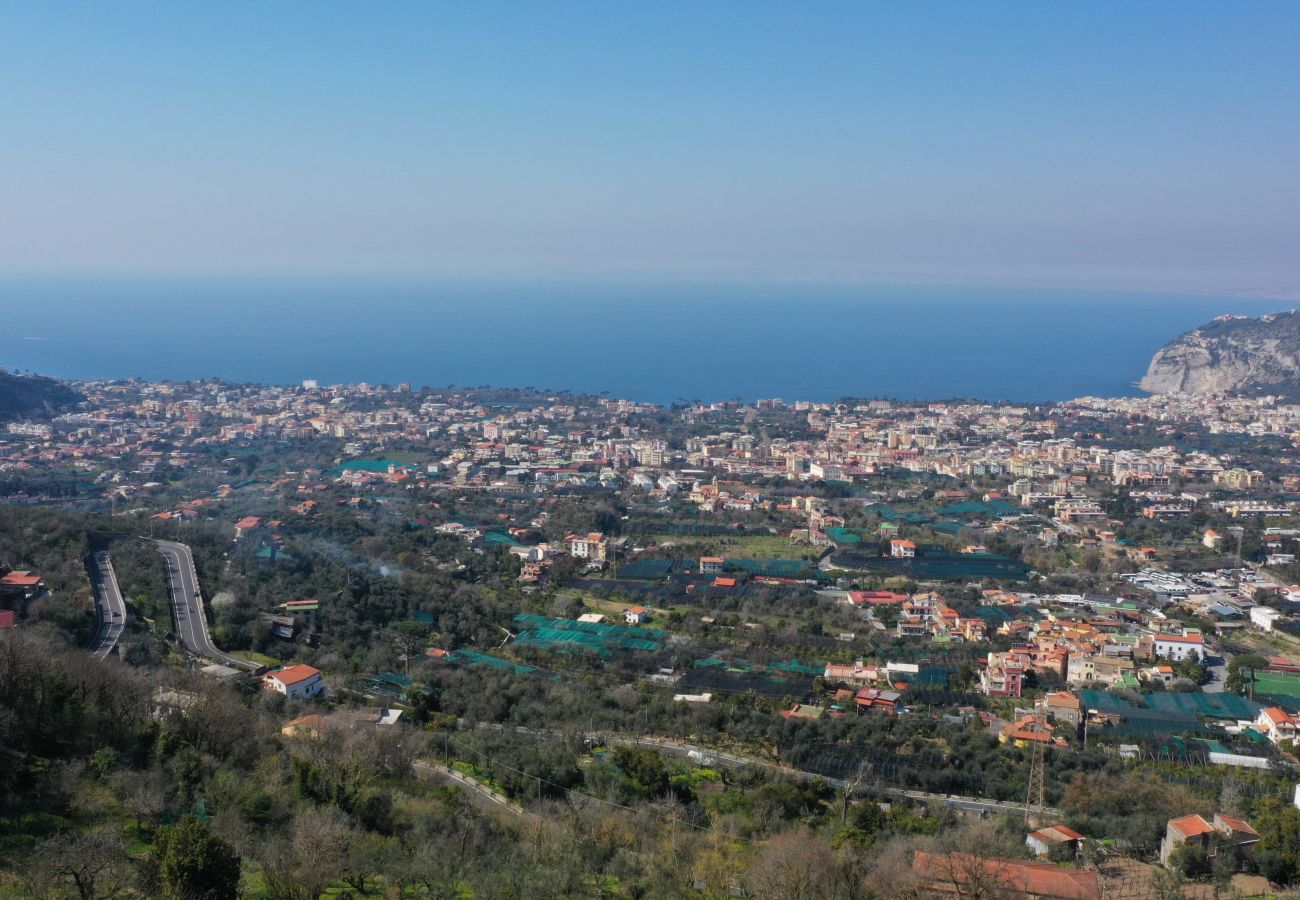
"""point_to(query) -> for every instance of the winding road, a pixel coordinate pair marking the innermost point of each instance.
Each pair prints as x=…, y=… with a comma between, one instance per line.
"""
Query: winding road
x=110, y=608
x=187, y=606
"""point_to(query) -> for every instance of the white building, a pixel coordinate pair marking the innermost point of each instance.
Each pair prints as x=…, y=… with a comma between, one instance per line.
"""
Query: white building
x=1180, y=646
x=1264, y=617
x=298, y=682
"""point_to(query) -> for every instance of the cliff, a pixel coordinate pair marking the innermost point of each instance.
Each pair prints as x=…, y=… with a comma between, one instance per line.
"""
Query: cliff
x=1231, y=355
x=22, y=396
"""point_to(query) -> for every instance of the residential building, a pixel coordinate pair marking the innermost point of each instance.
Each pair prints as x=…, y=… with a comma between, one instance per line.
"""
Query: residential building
x=1195, y=831
x=297, y=682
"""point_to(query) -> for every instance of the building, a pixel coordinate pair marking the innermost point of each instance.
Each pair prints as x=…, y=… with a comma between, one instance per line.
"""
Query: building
x=1044, y=840
x=591, y=546
x=21, y=583
x=1224, y=831
x=966, y=875
x=1061, y=706
x=1178, y=647
x=1264, y=617
x=1002, y=676
x=1278, y=724
x=1111, y=671
x=636, y=615
x=297, y=682
x=901, y=548
x=710, y=565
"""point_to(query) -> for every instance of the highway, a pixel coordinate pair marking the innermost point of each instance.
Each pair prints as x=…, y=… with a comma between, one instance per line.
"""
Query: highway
x=110, y=608
x=187, y=606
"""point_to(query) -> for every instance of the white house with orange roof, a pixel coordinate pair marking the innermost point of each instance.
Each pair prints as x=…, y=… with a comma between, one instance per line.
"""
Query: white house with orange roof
x=297, y=682
x=902, y=548
x=1178, y=647
x=1278, y=724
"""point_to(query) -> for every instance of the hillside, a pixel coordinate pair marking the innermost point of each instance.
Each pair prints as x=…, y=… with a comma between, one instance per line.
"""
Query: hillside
x=33, y=395
x=1231, y=355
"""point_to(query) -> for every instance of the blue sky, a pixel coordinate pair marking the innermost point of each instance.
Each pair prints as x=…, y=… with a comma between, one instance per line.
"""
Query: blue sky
x=1127, y=145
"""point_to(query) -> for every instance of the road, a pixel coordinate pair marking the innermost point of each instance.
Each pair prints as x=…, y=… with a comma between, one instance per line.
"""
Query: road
x=110, y=608
x=187, y=606
x=707, y=756
x=481, y=793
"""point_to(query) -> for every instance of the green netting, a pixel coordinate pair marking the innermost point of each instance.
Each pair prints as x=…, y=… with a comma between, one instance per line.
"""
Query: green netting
x=740, y=665
x=987, y=509
x=385, y=684
x=843, y=536
x=654, y=568
x=930, y=676
x=1167, y=713
x=774, y=568
x=378, y=466
x=566, y=635
x=474, y=658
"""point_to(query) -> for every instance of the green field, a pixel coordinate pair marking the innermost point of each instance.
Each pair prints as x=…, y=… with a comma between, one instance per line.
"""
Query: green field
x=1277, y=685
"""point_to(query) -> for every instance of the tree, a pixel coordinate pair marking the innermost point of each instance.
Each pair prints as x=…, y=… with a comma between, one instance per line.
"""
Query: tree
x=144, y=794
x=93, y=862
x=795, y=864
x=195, y=864
x=851, y=786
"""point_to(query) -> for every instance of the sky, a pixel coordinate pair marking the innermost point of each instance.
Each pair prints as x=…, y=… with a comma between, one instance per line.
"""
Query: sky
x=1151, y=146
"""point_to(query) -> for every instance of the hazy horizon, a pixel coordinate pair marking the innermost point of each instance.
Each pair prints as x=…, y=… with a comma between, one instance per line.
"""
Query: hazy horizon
x=1135, y=148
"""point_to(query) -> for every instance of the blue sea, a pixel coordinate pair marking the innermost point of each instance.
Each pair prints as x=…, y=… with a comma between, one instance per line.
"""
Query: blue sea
x=655, y=342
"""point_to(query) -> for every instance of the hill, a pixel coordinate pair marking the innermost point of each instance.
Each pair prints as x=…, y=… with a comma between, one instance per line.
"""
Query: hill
x=33, y=395
x=1231, y=355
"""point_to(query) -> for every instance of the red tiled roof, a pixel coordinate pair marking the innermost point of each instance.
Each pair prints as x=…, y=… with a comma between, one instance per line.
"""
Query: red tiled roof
x=950, y=873
x=1191, y=826
x=294, y=674
x=21, y=579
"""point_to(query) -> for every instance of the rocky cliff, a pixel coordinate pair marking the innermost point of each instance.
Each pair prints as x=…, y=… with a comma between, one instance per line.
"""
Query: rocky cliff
x=1231, y=355
x=33, y=395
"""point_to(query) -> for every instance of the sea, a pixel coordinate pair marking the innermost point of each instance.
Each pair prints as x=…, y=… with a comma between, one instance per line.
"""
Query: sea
x=656, y=342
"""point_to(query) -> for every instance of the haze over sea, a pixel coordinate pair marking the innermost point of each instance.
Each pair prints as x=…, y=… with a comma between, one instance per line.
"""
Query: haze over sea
x=649, y=341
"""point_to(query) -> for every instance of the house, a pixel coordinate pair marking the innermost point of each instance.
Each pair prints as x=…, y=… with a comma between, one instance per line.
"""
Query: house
x=802, y=711
x=1108, y=670
x=1027, y=730
x=1194, y=830
x=1212, y=539
x=1061, y=706
x=297, y=682
x=1044, y=840
x=1178, y=647
x=1278, y=724
x=1002, y=676
x=710, y=565
x=245, y=525
x=964, y=875
x=901, y=548
x=1264, y=617
x=591, y=546
x=877, y=700
x=854, y=674
x=312, y=726
x=21, y=583
x=636, y=615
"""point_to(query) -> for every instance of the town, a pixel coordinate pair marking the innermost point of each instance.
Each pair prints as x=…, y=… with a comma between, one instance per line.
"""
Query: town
x=1069, y=633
